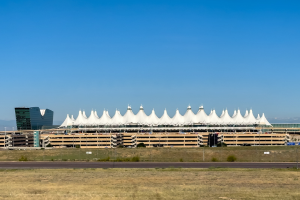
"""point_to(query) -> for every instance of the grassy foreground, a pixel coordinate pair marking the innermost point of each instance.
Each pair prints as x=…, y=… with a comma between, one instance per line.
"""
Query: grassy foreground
x=169, y=183
x=200, y=154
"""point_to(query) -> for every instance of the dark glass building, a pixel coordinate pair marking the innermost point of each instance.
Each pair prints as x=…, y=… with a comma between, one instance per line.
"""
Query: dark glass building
x=33, y=118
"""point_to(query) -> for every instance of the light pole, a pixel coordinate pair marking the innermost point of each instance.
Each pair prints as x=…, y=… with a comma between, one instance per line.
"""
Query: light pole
x=5, y=138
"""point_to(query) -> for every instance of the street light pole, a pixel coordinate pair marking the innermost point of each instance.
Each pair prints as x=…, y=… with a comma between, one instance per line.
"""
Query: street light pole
x=5, y=138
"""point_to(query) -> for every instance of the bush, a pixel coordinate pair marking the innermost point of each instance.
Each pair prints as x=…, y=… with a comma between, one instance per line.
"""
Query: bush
x=231, y=158
x=181, y=160
x=141, y=145
x=221, y=144
x=121, y=146
x=122, y=160
x=214, y=159
x=135, y=159
x=104, y=159
x=49, y=145
x=23, y=158
x=77, y=146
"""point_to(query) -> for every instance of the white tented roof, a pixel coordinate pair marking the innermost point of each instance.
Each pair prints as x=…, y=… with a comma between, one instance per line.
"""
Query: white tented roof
x=246, y=114
x=178, y=119
x=189, y=118
x=201, y=116
x=80, y=120
x=238, y=119
x=258, y=117
x=153, y=120
x=165, y=119
x=68, y=122
x=263, y=121
x=225, y=118
x=92, y=120
x=213, y=118
x=129, y=117
x=223, y=112
x=104, y=120
x=141, y=117
x=234, y=114
x=250, y=119
x=84, y=115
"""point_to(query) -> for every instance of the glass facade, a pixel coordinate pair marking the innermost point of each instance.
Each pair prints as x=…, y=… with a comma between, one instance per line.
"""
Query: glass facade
x=33, y=118
x=286, y=125
x=36, y=139
x=23, y=118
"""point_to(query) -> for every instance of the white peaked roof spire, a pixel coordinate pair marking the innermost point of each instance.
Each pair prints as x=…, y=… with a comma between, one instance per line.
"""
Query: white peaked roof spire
x=234, y=114
x=165, y=119
x=80, y=120
x=201, y=116
x=225, y=118
x=213, y=118
x=84, y=115
x=222, y=114
x=129, y=117
x=107, y=114
x=246, y=114
x=141, y=117
x=178, y=119
x=92, y=120
x=68, y=122
x=258, y=117
x=153, y=120
x=263, y=121
x=104, y=120
x=250, y=119
x=117, y=119
x=72, y=117
x=96, y=115
x=189, y=117
x=238, y=119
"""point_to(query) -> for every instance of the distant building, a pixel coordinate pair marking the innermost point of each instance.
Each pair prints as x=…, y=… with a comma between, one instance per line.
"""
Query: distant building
x=33, y=118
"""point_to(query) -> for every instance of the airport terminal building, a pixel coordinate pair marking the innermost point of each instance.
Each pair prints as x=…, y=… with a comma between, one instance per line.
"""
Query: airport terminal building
x=129, y=130
x=188, y=130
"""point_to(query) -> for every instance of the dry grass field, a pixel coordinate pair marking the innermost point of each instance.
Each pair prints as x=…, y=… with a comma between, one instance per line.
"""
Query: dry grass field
x=169, y=183
x=243, y=154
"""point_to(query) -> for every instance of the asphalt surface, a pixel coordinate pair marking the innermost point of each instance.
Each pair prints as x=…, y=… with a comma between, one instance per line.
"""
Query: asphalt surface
x=66, y=164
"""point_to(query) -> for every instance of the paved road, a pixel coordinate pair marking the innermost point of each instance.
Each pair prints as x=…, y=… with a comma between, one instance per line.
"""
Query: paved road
x=56, y=165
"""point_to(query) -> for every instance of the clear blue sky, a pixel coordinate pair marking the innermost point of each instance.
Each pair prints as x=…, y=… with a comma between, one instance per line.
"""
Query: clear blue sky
x=71, y=55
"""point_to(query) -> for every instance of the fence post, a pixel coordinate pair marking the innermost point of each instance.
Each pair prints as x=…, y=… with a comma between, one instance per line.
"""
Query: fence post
x=221, y=152
x=297, y=155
